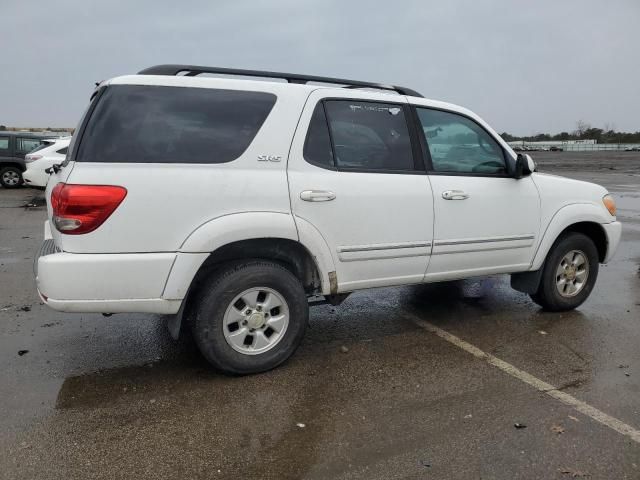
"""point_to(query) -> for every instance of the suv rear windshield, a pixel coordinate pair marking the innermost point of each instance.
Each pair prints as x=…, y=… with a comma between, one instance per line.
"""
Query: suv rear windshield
x=152, y=124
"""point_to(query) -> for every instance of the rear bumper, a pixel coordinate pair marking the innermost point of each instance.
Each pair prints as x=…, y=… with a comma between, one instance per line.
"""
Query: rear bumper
x=35, y=178
x=113, y=282
x=104, y=283
x=613, y=231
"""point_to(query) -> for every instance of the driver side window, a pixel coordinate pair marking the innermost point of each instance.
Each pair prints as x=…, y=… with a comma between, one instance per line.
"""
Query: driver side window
x=459, y=145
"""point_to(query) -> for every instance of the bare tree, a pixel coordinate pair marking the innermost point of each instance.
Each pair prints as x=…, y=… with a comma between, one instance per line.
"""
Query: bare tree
x=581, y=127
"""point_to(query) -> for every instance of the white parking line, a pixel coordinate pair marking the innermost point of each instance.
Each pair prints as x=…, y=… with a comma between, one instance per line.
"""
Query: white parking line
x=579, y=405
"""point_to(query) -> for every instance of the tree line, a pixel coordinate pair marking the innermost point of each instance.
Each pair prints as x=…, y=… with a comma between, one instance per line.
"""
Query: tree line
x=583, y=131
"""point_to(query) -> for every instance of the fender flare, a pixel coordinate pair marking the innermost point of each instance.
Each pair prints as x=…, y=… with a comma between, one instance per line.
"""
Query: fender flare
x=227, y=229
x=563, y=218
x=315, y=243
x=235, y=227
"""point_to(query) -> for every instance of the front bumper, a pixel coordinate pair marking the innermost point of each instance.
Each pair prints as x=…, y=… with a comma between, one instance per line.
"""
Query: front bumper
x=613, y=231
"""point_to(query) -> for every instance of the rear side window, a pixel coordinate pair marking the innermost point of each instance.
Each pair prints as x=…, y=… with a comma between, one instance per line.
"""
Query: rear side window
x=369, y=136
x=25, y=145
x=152, y=124
x=317, y=147
x=41, y=147
x=4, y=143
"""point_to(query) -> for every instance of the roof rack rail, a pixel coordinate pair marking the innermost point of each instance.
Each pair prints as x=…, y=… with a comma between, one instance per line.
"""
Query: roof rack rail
x=193, y=70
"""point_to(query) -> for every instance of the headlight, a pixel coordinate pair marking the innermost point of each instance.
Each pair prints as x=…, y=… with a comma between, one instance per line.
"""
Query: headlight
x=610, y=204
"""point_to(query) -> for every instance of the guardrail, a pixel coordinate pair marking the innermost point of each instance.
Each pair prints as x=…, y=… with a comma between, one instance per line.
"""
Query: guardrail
x=583, y=147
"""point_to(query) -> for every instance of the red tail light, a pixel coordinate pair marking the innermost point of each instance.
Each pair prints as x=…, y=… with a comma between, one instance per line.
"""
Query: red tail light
x=81, y=209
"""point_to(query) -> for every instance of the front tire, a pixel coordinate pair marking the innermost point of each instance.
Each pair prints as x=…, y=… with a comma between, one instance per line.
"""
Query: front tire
x=11, y=177
x=569, y=273
x=250, y=317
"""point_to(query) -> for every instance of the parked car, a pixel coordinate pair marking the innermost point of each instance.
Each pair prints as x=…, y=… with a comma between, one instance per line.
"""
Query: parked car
x=632, y=149
x=234, y=204
x=556, y=149
x=13, y=148
x=50, y=152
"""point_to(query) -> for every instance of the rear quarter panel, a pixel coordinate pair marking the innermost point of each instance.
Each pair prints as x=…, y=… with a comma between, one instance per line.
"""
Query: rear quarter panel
x=167, y=203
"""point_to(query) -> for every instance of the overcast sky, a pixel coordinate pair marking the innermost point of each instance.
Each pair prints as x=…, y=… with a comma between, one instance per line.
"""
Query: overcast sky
x=525, y=66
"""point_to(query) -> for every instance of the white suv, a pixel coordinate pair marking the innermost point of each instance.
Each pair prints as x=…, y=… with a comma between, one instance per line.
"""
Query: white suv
x=236, y=203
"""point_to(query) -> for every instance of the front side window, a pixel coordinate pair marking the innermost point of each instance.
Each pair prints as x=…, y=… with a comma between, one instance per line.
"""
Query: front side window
x=459, y=145
x=4, y=143
x=369, y=136
x=63, y=151
x=25, y=145
x=153, y=124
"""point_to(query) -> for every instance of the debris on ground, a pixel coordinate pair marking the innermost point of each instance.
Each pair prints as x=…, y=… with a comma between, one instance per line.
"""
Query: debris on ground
x=468, y=416
x=26, y=308
x=519, y=425
x=300, y=425
x=627, y=374
x=425, y=463
x=573, y=473
x=22, y=352
x=573, y=418
x=542, y=332
x=557, y=429
x=623, y=366
x=344, y=349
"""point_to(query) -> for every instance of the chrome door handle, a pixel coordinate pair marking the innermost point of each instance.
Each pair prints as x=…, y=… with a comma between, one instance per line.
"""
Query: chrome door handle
x=454, y=195
x=317, y=195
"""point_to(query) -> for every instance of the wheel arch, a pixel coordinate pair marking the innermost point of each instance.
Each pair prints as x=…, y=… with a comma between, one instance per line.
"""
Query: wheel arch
x=583, y=218
x=291, y=254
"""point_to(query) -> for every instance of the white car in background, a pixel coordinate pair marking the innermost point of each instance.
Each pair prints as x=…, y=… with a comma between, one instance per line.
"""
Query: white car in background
x=51, y=151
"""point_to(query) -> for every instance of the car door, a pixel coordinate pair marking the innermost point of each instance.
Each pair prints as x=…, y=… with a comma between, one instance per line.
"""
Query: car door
x=356, y=178
x=486, y=221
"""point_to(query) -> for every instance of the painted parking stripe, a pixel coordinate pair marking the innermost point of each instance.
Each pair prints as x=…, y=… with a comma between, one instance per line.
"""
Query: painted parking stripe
x=544, y=387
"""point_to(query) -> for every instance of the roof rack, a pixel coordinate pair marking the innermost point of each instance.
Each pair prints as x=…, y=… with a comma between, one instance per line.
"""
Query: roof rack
x=193, y=70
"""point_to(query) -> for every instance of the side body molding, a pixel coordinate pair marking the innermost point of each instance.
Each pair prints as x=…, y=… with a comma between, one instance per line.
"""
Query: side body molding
x=563, y=218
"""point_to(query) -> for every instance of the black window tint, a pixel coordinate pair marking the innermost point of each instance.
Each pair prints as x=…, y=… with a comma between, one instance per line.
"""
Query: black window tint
x=369, y=135
x=151, y=124
x=457, y=144
x=4, y=143
x=63, y=151
x=42, y=146
x=317, y=147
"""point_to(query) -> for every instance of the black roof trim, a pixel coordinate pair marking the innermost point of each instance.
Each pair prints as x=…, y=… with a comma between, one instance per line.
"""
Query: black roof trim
x=193, y=70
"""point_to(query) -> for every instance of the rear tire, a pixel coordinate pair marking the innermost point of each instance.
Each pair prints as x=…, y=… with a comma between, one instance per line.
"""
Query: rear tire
x=249, y=317
x=11, y=177
x=569, y=273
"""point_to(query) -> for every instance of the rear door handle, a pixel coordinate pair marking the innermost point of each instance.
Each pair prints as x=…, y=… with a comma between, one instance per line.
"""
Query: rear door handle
x=454, y=195
x=317, y=195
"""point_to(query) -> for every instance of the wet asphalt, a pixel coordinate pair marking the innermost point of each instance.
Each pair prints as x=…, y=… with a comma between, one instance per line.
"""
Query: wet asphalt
x=370, y=393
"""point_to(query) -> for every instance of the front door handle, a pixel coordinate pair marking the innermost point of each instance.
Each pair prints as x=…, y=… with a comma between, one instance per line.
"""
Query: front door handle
x=454, y=195
x=317, y=195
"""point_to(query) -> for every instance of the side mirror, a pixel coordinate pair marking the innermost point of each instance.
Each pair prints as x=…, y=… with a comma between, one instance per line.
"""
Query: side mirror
x=525, y=166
